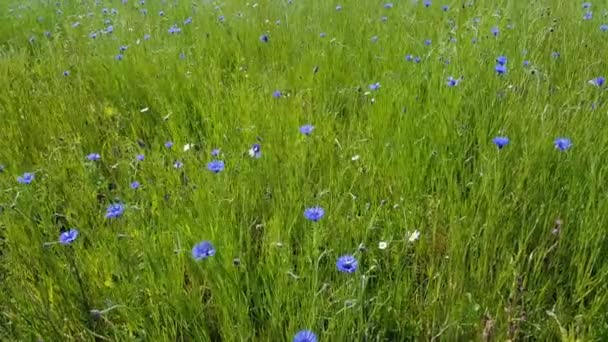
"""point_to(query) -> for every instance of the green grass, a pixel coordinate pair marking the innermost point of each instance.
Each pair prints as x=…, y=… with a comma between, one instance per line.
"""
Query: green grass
x=486, y=266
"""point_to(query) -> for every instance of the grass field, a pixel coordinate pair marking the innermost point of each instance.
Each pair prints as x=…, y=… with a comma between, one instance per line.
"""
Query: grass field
x=160, y=183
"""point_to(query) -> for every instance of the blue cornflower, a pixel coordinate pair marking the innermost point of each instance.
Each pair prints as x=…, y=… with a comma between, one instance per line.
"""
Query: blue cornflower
x=93, y=156
x=215, y=166
x=347, y=264
x=495, y=31
x=215, y=152
x=123, y=48
x=161, y=13
x=384, y=18
x=598, y=81
x=388, y=5
x=445, y=8
x=307, y=129
x=374, y=86
x=586, y=5
x=501, y=142
x=221, y=18
x=427, y=42
x=374, y=39
x=427, y=3
x=174, y=29
x=119, y=57
x=409, y=58
x=109, y=29
x=144, y=11
x=563, y=144
x=107, y=21
x=417, y=59
x=93, y=35
x=526, y=63
x=115, y=210
x=452, y=82
x=203, y=250
x=502, y=60
x=2, y=168
x=68, y=237
x=322, y=34
x=135, y=185
x=277, y=94
x=105, y=10
x=264, y=38
x=178, y=164
x=314, y=214
x=26, y=178
x=114, y=11
x=66, y=73
x=500, y=69
x=169, y=144
x=474, y=41
x=305, y=336
x=140, y=157
x=188, y=21
x=75, y=24
x=255, y=151
x=588, y=15
x=182, y=56
x=147, y=36
x=555, y=54
x=604, y=28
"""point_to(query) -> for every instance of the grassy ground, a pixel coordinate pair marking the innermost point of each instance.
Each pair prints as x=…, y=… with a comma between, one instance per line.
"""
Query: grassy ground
x=512, y=241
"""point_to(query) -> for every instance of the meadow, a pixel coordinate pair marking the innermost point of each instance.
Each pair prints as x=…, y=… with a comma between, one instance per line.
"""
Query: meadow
x=290, y=170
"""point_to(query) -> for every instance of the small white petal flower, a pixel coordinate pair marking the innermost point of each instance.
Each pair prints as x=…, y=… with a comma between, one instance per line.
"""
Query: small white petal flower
x=414, y=236
x=355, y=157
x=382, y=245
x=188, y=146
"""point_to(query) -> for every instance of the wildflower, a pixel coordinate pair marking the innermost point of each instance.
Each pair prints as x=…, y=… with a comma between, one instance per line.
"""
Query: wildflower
x=178, y=164
x=161, y=13
x=215, y=152
x=382, y=245
x=555, y=54
x=26, y=178
x=502, y=60
x=182, y=56
x=414, y=236
x=174, y=29
x=314, y=214
x=347, y=264
x=68, y=237
x=109, y=29
x=409, y=58
x=495, y=31
x=598, y=81
x=140, y=157
x=203, y=250
x=169, y=144
x=277, y=94
x=307, y=129
x=114, y=11
x=264, y=38
x=500, y=69
x=586, y=5
x=93, y=156
x=221, y=18
x=417, y=59
x=135, y=185
x=305, y=336
x=93, y=35
x=374, y=39
x=588, y=15
x=123, y=48
x=427, y=3
x=452, y=82
x=384, y=18
x=255, y=151
x=188, y=21
x=526, y=63
x=374, y=86
x=604, y=28
x=427, y=42
x=500, y=142
x=115, y=210
x=66, y=73
x=76, y=24
x=215, y=166
x=147, y=37
x=144, y=11
x=445, y=8
x=562, y=144
x=338, y=8
x=119, y=57
x=2, y=168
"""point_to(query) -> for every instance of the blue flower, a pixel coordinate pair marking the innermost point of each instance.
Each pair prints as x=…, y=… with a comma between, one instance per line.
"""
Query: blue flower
x=215, y=152
x=526, y=63
x=374, y=86
x=119, y=57
x=255, y=151
x=555, y=54
x=562, y=144
x=174, y=29
x=161, y=13
x=68, y=237
x=2, y=168
x=374, y=39
x=427, y=42
x=123, y=48
x=417, y=59
x=109, y=29
x=182, y=56
x=495, y=31
x=445, y=8
x=347, y=264
x=500, y=69
x=147, y=36
x=115, y=210
x=140, y=157
x=588, y=15
x=307, y=129
x=598, y=81
x=203, y=250
x=188, y=21
x=169, y=144
x=26, y=178
x=388, y=5
x=135, y=185
x=314, y=214
x=305, y=336
x=452, y=82
x=322, y=34
x=500, y=142
x=502, y=60
x=93, y=35
x=427, y=3
x=178, y=164
x=215, y=166
x=586, y=5
x=76, y=24
x=277, y=94
x=66, y=73
x=94, y=156
x=264, y=38
x=409, y=58
x=144, y=11
x=604, y=28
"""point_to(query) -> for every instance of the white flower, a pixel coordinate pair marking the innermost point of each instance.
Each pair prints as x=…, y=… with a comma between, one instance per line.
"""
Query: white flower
x=414, y=236
x=188, y=146
x=355, y=157
x=382, y=245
